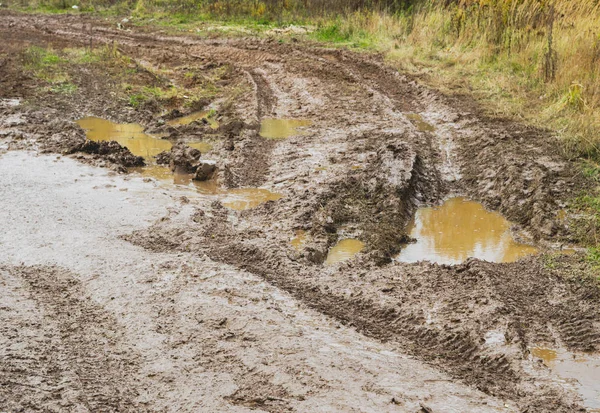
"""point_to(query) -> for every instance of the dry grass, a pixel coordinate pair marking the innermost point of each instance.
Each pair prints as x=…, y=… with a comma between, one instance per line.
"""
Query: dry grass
x=533, y=59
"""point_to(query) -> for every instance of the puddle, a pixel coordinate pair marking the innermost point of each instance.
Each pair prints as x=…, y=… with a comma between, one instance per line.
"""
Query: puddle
x=420, y=124
x=283, y=128
x=299, y=240
x=139, y=143
x=344, y=250
x=240, y=199
x=196, y=116
x=460, y=229
x=581, y=369
x=130, y=135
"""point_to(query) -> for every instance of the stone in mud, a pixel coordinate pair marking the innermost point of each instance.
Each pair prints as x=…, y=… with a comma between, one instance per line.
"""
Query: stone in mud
x=183, y=159
x=163, y=158
x=205, y=171
x=234, y=127
x=111, y=151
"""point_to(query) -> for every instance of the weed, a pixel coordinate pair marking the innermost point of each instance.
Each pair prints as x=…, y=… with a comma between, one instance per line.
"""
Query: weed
x=136, y=100
x=65, y=88
x=38, y=59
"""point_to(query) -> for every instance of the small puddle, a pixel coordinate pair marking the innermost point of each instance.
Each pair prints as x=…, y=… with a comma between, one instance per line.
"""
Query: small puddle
x=344, y=250
x=583, y=369
x=130, y=135
x=299, y=240
x=139, y=143
x=240, y=199
x=460, y=229
x=283, y=128
x=420, y=124
x=192, y=117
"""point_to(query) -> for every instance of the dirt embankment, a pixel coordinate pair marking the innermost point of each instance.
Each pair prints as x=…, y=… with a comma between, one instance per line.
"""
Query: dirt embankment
x=379, y=146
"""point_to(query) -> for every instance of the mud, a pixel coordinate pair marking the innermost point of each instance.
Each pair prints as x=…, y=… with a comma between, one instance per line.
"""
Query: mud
x=203, y=117
x=110, y=150
x=210, y=307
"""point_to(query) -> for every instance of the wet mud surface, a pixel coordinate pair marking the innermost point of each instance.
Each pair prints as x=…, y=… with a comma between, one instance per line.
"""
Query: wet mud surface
x=191, y=291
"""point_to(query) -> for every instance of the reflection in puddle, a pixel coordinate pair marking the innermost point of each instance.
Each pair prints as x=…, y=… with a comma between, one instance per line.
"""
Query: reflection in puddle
x=246, y=198
x=299, y=240
x=344, y=250
x=283, y=128
x=130, y=135
x=421, y=125
x=584, y=369
x=196, y=116
x=460, y=229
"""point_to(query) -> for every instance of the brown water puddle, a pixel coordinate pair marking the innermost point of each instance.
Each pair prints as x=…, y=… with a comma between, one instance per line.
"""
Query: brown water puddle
x=582, y=369
x=299, y=240
x=460, y=229
x=240, y=199
x=130, y=135
x=344, y=250
x=141, y=144
x=421, y=125
x=196, y=116
x=283, y=128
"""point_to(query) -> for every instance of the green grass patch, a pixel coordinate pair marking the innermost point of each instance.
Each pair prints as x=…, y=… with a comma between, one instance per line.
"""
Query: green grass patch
x=65, y=88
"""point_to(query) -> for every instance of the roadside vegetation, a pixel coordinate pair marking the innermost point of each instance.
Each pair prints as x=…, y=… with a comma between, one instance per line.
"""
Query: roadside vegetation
x=534, y=60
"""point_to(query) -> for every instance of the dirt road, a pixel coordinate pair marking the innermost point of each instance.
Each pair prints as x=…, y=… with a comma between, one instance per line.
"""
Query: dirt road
x=123, y=293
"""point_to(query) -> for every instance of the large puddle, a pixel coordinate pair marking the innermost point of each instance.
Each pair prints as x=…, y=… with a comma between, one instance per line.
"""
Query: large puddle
x=130, y=135
x=344, y=250
x=283, y=128
x=141, y=144
x=460, y=229
x=582, y=370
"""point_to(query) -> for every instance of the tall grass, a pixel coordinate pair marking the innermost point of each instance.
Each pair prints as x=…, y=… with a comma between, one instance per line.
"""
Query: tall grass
x=535, y=59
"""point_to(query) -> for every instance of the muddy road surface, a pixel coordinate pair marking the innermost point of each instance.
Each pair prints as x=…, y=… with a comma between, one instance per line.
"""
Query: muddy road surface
x=250, y=261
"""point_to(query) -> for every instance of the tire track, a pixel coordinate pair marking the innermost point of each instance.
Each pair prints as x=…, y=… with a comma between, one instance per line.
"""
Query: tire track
x=69, y=354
